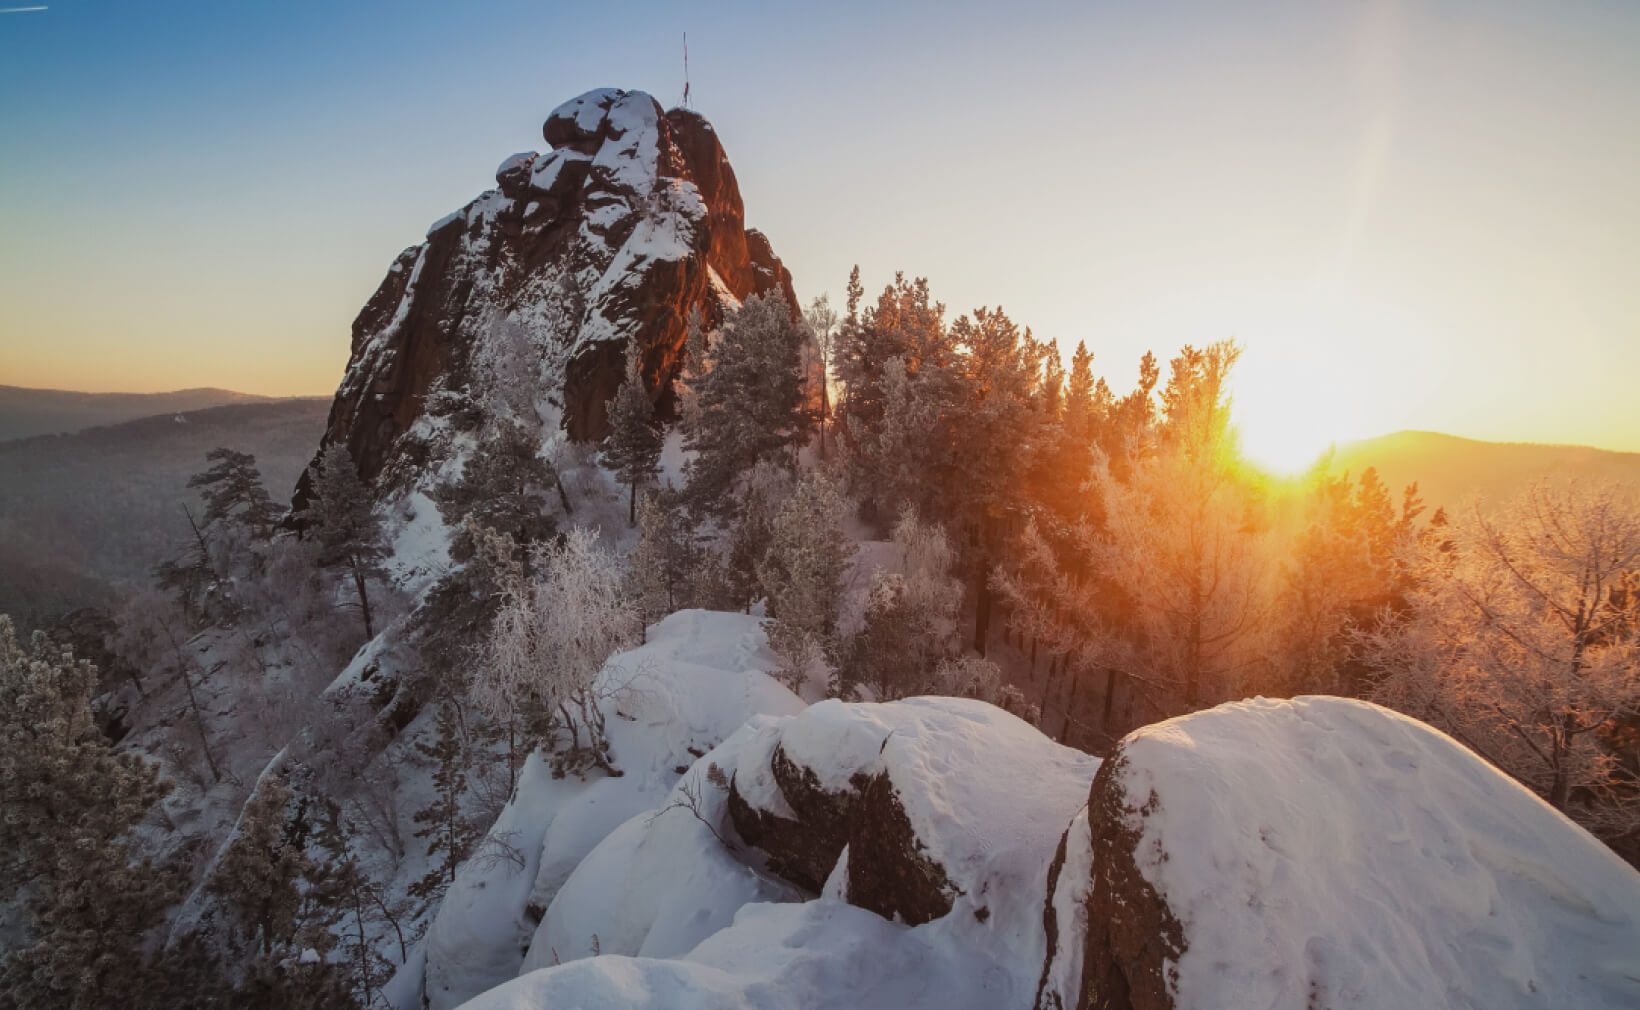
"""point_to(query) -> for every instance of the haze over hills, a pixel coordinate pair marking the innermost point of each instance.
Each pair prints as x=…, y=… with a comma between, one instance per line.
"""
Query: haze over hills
x=26, y=412
x=1452, y=470
x=83, y=515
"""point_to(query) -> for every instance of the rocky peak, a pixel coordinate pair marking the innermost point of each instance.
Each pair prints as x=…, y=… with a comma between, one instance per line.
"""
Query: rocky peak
x=520, y=304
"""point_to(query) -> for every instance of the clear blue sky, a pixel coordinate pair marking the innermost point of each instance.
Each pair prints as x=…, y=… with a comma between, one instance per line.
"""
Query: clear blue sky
x=1412, y=214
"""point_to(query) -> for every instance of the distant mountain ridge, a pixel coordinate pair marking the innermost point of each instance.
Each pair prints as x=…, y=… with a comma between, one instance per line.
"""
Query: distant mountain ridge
x=25, y=412
x=1451, y=471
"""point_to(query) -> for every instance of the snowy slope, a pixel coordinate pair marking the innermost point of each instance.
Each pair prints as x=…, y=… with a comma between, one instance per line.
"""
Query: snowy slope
x=1324, y=852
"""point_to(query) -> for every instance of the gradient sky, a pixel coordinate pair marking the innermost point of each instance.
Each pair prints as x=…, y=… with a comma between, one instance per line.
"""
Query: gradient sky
x=1413, y=215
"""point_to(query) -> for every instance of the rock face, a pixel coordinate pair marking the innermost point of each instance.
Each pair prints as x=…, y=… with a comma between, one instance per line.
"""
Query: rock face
x=521, y=303
x=929, y=796
x=1323, y=853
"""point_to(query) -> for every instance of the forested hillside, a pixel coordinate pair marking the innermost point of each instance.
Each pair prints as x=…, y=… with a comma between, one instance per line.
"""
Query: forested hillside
x=86, y=516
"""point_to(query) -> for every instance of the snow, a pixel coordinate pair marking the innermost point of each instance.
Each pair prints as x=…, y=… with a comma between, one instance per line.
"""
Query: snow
x=548, y=166
x=520, y=160
x=660, y=883
x=421, y=543
x=1070, y=911
x=587, y=111
x=697, y=679
x=821, y=954
x=1323, y=851
x=445, y=222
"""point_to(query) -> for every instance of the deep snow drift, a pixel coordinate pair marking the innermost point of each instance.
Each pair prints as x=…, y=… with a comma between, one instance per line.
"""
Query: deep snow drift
x=1329, y=853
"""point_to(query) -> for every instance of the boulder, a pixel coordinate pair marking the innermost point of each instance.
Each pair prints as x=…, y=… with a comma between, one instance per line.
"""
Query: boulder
x=514, y=174
x=1327, y=853
x=945, y=806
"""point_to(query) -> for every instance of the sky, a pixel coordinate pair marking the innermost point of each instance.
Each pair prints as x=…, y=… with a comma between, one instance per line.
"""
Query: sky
x=1411, y=214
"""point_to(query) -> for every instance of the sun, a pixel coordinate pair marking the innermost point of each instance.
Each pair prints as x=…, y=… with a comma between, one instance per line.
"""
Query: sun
x=1321, y=367
x=1284, y=450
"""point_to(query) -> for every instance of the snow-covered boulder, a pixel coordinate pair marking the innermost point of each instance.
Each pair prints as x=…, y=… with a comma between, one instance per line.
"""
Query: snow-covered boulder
x=952, y=802
x=698, y=678
x=1327, y=853
x=947, y=806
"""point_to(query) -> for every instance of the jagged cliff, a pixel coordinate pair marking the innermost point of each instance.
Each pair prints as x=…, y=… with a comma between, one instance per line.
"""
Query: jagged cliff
x=521, y=302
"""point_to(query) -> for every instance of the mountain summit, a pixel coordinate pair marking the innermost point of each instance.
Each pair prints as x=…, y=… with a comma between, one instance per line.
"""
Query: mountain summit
x=520, y=304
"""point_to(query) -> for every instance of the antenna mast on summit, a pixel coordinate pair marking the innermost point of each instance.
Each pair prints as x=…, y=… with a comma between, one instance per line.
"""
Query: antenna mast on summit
x=686, y=70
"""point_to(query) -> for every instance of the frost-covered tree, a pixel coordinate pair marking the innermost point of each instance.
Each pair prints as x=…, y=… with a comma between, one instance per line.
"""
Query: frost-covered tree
x=821, y=320
x=802, y=570
x=750, y=404
x=70, y=804
x=551, y=638
x=259, y=877
x=911, y=618
x=342, y=519
x=234, y=492
x=1519, y=639
x=760, y=494
x=633, y=446
x=659, y=568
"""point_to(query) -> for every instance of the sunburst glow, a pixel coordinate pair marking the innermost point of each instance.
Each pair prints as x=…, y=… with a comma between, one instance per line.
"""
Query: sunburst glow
x=1313, y=374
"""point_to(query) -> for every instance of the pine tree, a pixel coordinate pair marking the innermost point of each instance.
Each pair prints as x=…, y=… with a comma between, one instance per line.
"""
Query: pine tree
x=501, y=488
x=911, y=617
x=447, y=829
x=343, y=519
x=802, y=570
x=633, y=447
x=259, y=875
x=658, y=569
x=750, y=404
x=234, y=492
x=70, y=804
x=1080, y=416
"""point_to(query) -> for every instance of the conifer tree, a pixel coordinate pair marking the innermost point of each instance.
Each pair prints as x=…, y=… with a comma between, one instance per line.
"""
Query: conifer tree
x=343, y=519
x=501, y=488
x=803, y=567
x=234, y=492
x=1080, y=414
x=750, y=403
x=633, y=447
x=450, y=834
x=659, y=567
x=70, y=804
x=259, y=876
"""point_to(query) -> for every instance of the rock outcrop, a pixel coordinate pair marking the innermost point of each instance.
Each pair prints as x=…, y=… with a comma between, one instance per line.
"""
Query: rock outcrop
x=521, y=303
x=1324, y=853
x=945, y=806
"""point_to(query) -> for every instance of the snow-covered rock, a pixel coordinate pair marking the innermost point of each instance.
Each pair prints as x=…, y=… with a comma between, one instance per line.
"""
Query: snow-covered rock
x=1328, y=853
x=520, y=303
x=938, y=801
x=699, y=677
x=684, y=918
